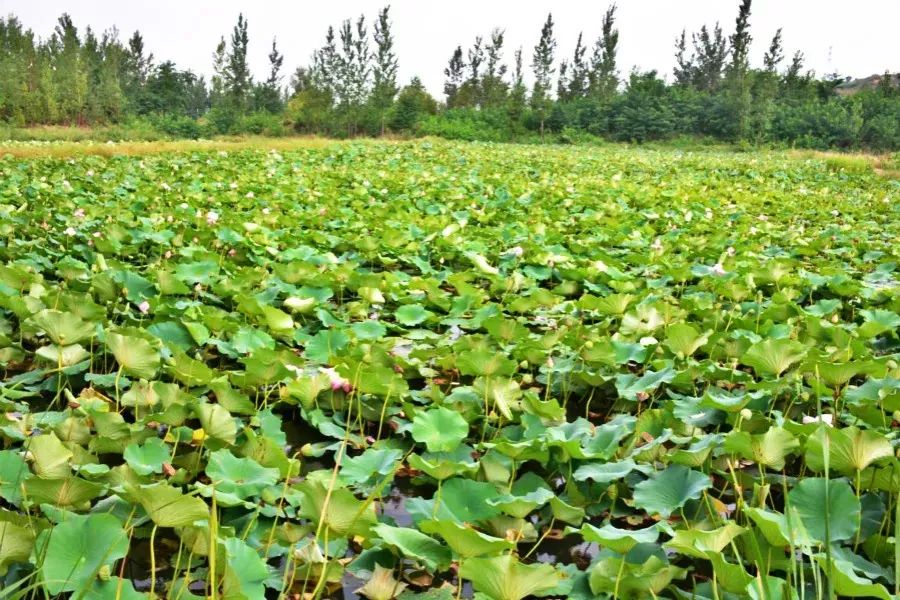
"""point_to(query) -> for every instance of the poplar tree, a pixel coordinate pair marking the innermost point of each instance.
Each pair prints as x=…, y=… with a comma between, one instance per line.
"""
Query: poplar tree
x=384, y=72
x=603, y=76
x=493, y=86
x=578, y=80
x=542, y=66
x=453, y=74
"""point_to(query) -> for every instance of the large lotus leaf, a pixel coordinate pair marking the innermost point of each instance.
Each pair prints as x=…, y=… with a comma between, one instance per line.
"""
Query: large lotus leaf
x=505, y=578
x=245, y=571
x=75, y=550
x=325, y=344
x=339, y=510
x=604, y=473
x=71, y=491
x=50, y=457
x=464, y=540
x=466, y=501
x=444, y=465
x=627, y=579
x=440, y=429
x=13, y=472
x=416, y=545
x=486, y=363
x=684, y=339
x=63, y=328
x=189, y=371
x=64, y=356
x=697, y=542
x=382, y=585
x=778, y=529
x=878, y=322
x=147, y=457
x=619, y=540
x=240, y=477
x=134, y=354
x=217, y=422
x=371, y=466
x=565, y=512
x=669, y=490
x=631, y=387
x=16, y=544
x=851, y=449
x=500, y=393
x=116, y=588
x=834, y=518
x=167, y=506
x=772, y=357
x=768, y=449
x=850, y=585
x=412, y=314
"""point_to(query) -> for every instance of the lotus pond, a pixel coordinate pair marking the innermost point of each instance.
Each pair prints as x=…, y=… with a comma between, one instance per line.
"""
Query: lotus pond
x=432, y=370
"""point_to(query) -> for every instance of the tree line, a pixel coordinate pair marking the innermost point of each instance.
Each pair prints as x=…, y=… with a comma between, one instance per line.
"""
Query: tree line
x=349, y=87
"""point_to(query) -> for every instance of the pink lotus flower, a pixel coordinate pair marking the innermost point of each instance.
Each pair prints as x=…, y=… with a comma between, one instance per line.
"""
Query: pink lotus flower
x=79, y=213
x=718, y=269
x=70, y=231
x=144, y=307
x=211, y=217
x=337, y=381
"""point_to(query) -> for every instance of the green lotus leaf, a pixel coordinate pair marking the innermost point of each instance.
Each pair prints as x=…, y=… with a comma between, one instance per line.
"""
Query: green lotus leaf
x=75, y=551
x=850, y=449
x=63, y=328
x=669, y=490
x=768, y=449
x=416, y=545
x=505, y=578
x=135, y=355
x=16, y=544
x=147, y=457
x=412, y=314
x=772, y=357
x=827, y=515
x=167, y=506
x=464, y=540
x=440, y=429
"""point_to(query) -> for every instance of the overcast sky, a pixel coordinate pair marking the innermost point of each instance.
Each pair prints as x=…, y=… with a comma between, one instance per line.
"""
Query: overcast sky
x=856, y=38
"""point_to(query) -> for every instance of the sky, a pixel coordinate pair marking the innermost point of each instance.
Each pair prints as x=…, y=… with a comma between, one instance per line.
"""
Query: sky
x=856, y=38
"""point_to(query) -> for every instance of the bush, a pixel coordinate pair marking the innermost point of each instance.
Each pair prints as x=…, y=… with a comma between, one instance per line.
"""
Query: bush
x=261, y=123
x=179, y=126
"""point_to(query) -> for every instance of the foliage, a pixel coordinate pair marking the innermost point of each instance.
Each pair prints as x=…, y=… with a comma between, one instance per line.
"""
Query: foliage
x=262, y=371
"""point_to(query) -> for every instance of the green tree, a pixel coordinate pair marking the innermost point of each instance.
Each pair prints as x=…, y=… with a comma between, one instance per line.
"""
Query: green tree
x=516, y=102
x=542, y=66
x=738, y=87
x=603, y=76
x=493, y=84
x=578, y=80
x=710, y=51
x=453, y=74
x=470, y=91
x=384, y=72
x=136, y=68
x=413, y=103
x=267, y=96
x=684, y=64
x=237, y=78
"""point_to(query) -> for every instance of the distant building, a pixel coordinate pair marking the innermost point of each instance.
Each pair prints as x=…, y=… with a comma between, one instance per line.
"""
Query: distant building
x=853, y=86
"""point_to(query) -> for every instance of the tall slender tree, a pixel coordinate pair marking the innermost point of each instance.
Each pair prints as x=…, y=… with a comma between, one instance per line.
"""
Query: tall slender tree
x=737, y=73
x=684, y=64
x=542, y=66
x=238, y=80
x=384, y=71
x=268, y=95
x=516, y=101
x=493, y=85
x=578, y=80
x=604, y=78
x=710, y=52
x=454, y=74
